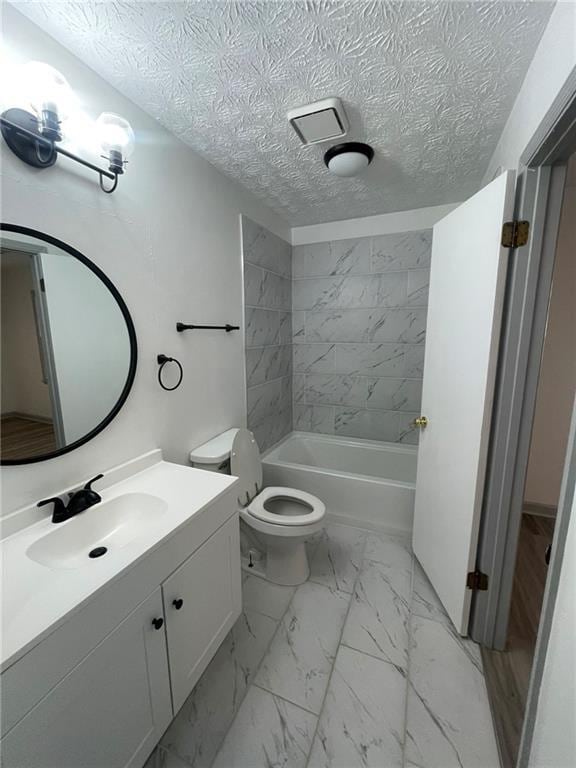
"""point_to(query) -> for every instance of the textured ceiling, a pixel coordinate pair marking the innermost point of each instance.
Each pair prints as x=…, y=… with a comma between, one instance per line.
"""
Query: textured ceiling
x=428, y=84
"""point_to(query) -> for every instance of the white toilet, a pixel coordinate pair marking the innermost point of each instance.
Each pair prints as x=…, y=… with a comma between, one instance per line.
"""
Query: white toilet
x=284, y=518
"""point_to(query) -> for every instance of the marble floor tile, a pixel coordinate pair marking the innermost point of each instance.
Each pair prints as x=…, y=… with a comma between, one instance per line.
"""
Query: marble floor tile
x=338, y=558
x=351, y=684
x=425, y=601
x=362, y=722
x=298, y=663
x=471, y=648
x=448, y=722
x=378, y=621
x=165, y=759
x=198, y=729
x=265, y=597
x=427, y=605
x=384, y=548
x=154, y=759
x=267, y=732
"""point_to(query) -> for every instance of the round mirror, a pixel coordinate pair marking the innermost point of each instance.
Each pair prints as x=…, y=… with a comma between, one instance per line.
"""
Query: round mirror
x=68, y=347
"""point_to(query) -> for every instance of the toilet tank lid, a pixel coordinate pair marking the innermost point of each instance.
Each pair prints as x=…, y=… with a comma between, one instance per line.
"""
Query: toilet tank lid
x=215, y=450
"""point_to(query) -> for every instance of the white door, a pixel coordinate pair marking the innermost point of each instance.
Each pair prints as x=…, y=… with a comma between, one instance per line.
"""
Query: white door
x=464, y=317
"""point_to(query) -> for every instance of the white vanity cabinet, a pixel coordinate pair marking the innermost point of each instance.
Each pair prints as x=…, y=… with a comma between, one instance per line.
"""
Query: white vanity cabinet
x=201, y=602
x=110, y=710
x=100, y=691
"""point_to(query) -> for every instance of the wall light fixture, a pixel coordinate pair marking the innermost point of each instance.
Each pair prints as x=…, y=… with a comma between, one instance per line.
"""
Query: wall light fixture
x=35, y=132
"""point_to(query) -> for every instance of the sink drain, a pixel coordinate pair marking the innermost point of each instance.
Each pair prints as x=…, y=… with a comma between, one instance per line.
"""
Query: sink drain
x=98, y=552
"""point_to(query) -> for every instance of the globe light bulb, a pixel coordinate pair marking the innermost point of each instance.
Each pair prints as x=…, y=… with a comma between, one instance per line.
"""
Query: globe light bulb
x=47, y=93
x=116, y=139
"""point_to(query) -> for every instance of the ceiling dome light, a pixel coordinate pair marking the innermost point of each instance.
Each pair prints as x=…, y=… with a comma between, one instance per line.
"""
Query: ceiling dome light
x=348, y=159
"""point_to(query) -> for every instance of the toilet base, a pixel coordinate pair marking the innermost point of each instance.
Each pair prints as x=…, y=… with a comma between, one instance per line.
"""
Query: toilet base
x=285, y=563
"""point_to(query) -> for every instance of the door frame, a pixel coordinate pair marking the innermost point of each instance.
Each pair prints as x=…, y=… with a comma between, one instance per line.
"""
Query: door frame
x=528, y=291
x=42, y=325
x=539, y=199
x=47, y=352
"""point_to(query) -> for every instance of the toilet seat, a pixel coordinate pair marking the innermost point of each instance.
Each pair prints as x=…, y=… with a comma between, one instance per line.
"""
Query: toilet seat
x=314, y=508
x=252, y=501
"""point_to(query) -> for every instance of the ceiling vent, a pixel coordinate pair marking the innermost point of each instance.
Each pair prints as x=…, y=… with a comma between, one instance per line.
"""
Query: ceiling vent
x=322, y=121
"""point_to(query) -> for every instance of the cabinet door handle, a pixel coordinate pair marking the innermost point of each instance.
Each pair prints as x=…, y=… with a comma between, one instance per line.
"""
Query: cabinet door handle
x=178, y=603
x=157, y=623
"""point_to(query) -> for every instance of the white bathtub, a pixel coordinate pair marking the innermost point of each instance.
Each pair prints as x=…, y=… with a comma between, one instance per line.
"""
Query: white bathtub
x=362, y=482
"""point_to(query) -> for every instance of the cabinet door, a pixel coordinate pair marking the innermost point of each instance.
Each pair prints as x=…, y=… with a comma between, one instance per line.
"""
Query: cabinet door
x=208, y=585
x=109, y=711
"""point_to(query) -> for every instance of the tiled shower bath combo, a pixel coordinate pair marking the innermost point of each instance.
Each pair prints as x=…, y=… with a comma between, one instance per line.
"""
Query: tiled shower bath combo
x=359, y=318
x=268, y=334
x=357, y=309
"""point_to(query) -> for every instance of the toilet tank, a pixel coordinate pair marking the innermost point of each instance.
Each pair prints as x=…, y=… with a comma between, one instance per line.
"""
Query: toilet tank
x=215, y=454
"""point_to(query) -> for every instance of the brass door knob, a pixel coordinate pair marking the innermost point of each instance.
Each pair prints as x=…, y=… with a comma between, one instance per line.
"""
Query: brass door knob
x=421, y=422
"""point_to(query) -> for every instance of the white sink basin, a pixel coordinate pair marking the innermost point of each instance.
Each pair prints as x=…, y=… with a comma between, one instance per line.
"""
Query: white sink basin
x=112, y=524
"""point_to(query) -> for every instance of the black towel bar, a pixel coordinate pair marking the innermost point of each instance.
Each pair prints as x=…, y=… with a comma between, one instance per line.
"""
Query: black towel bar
x=188, y=327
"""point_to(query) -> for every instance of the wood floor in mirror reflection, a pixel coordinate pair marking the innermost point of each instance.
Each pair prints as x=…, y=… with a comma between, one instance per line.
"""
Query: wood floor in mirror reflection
x=26, y=437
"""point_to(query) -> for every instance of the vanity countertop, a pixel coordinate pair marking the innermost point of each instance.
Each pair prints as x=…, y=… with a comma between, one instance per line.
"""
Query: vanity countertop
x=37, y=598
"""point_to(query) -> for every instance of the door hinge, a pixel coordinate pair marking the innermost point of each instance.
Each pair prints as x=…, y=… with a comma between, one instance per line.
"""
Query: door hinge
x=477, y=580
x=515, y=233
x=42, y=285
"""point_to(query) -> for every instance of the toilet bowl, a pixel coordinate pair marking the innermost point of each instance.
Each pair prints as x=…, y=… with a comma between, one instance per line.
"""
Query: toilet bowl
x=283, y=518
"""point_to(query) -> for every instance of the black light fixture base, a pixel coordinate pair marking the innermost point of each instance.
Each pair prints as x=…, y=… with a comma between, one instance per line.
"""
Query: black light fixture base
x=21, y=132
x=39, y=153
x=116, y=163
x=349, y=146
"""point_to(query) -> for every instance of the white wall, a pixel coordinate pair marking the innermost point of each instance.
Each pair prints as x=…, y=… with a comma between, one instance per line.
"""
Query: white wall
x=557, y=384
x=372, y=226
x=554, y=738
x=169, y=239
x=553, y=62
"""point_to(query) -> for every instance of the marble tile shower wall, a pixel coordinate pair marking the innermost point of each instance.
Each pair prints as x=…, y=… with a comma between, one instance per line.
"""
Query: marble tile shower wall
x=359, y=322
x=268, y=324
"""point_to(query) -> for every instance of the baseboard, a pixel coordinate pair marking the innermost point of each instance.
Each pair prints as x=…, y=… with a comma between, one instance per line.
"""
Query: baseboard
x=541, y=510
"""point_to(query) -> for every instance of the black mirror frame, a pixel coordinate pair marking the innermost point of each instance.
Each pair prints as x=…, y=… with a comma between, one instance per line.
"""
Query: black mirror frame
x=131, y=336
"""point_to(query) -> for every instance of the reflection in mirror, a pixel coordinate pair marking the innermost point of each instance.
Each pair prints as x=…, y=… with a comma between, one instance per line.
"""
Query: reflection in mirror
x=68, y=348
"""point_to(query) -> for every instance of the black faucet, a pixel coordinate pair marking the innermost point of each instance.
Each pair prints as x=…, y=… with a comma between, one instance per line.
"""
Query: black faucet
x=79, y=501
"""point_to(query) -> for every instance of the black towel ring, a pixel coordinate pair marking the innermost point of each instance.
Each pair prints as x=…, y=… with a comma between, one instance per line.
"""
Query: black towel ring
x=162, y=360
